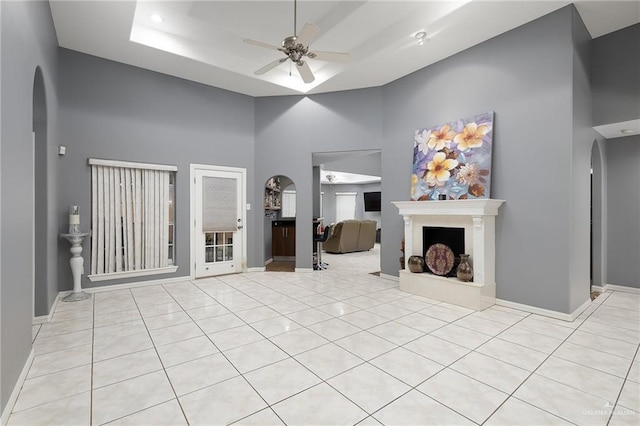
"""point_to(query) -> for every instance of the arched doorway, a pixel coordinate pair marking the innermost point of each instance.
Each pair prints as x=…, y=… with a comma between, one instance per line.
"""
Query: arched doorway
x=40, y=258
x=597, y=217
x=280, y=224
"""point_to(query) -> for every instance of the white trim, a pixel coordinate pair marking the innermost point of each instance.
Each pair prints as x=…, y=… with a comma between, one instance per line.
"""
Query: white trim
x=47, y=318
x=268, y=261
x=132, y=165
x=16, y=390
x=192, y=211
x=599, y=289
x=389, y=277
x=133, y=285
x=33, y=225
x=626, y=289
x=304, y=270
x=346, y=193
x=475, y=207
x=256, y=269
x=545, y=312
x=132, y=274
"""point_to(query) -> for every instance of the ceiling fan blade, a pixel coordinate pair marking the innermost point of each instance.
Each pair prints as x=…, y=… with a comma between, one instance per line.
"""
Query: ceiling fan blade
x=305, y=72
x=269, y=66
x=329, y=56
x=261, y=44
x=308, y=34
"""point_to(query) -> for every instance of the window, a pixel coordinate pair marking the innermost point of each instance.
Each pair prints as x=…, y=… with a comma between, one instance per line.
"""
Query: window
x=288, y=203
x=133, y=219
x=345, y=206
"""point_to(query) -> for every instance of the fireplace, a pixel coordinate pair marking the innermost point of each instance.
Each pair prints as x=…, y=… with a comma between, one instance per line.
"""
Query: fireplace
x=451, y=237
x=476, y=219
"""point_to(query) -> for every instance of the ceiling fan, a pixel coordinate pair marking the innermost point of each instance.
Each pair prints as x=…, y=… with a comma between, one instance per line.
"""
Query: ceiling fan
x=296, y=47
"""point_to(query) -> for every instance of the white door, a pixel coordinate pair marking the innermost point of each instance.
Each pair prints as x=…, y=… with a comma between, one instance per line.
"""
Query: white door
x=218, y=222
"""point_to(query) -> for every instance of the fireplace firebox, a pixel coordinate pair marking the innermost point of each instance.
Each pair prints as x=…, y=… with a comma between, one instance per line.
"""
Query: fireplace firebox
x=451, y=237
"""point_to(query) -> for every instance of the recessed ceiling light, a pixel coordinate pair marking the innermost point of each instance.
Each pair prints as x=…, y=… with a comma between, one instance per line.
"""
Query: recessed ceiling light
x=155, y=17
x=420, y=37
x=626, y=131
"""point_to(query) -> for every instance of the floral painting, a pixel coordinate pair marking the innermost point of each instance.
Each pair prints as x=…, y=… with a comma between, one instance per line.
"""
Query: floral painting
x=453, y=161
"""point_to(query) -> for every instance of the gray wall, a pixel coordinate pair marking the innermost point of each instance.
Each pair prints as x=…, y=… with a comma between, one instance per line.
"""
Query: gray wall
x=369, y=164
x=289, y=129
x=623, y=197
x=114, y=111
x=616, y=85
x=28, y=41
x=329, y=201
x=533, y=104
x=580, y=164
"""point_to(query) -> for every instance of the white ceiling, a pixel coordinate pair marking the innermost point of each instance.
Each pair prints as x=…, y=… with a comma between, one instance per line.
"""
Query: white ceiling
x=202, y=41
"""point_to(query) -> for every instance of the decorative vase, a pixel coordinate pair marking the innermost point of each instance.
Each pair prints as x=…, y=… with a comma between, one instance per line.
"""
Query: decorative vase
x=416, y=264
x=464, y=271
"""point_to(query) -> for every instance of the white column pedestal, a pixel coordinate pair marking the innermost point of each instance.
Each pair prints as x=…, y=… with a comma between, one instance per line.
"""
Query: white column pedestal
x=77, y=266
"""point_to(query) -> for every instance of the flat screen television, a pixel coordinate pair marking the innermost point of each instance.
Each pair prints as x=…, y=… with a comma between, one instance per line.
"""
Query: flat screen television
x=372, y=201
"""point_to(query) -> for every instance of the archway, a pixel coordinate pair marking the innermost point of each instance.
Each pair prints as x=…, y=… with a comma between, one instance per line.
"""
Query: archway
x=40, y=287
x=597, y=217
x=280, y=224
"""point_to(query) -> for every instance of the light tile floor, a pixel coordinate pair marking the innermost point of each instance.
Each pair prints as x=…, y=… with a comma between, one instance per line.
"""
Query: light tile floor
x=339, y=346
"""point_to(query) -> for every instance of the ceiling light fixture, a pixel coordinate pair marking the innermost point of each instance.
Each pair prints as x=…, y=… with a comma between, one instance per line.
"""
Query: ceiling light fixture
x=626, y=131
x=156, y=17
x=420, y=37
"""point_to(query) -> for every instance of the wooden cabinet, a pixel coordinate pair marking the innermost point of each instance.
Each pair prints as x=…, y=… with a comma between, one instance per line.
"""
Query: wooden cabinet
x=283, y=238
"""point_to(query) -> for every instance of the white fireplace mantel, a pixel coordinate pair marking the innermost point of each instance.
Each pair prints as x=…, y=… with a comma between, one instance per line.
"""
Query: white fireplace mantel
x=477, y=217
x=476, y=207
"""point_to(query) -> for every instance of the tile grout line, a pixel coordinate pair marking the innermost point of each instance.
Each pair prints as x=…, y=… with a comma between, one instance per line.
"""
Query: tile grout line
x=512, y=394
x=626, y=379
x=329, y=341
x=230, y=363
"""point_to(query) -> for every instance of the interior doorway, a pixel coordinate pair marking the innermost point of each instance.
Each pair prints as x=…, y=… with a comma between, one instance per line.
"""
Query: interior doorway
x=597, y=272
x=350, y=187
x=280, y=198
x=40, y=199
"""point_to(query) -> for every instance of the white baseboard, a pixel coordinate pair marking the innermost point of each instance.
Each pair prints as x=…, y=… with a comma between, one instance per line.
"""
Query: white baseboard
x=47, y=318
x=16, y=390
x=268, y=261
x=389, y=277
x=545, y=312
x=304, y=270
x=257, y=269
x=136, y=284
x=599, y=289
x=615, y=287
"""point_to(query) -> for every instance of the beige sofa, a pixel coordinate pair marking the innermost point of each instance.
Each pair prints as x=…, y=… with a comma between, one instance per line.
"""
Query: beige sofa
x=351, y=235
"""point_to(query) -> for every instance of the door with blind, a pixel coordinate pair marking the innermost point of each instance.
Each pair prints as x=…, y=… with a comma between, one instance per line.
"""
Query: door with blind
x=218, y=222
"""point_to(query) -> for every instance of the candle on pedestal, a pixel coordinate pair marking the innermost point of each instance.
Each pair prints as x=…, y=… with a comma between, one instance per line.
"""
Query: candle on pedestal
x=74, y=220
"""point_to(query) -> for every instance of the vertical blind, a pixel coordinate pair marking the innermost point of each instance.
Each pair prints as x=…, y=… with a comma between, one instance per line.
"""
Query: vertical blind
x=345, y=205
x=219, y=203
x=130, y=216
x=288, y=203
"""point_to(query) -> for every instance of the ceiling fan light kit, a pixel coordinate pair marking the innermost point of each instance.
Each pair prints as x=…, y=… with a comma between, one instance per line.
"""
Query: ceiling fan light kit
x=296, y=48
